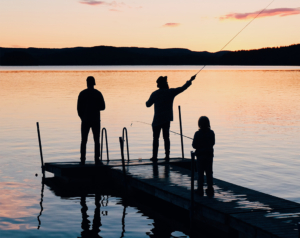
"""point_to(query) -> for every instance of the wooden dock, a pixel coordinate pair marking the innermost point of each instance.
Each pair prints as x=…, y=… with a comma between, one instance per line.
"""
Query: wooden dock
x=235, y=210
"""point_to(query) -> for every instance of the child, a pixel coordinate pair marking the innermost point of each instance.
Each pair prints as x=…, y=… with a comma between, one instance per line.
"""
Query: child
x=204, y=140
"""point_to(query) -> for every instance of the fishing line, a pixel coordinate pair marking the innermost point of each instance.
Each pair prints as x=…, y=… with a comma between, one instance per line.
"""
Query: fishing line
x=169, y=130
x=240, y=31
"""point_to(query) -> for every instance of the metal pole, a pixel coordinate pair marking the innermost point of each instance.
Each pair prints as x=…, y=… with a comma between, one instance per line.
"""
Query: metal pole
x=192, y=187
x=41, y=152
x=182, y=150
x=123, y=133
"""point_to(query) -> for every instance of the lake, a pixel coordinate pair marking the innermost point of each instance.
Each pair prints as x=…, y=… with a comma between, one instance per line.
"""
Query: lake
x=254, y=112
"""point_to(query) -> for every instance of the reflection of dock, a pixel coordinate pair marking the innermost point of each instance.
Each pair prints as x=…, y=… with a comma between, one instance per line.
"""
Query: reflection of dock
x=234, y=210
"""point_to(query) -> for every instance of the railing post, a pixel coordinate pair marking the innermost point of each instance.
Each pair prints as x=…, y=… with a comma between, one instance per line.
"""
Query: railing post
x=41, y=151
x=104, y=130
x=192, y=188
x=180, y=123
x=126, y=132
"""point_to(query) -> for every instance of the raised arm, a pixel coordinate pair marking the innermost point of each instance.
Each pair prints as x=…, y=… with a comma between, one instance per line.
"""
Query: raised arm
x=185, y=86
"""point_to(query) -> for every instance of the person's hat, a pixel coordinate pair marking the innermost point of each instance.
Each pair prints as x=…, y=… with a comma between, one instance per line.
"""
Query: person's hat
x=162, y=80
x=91, y=80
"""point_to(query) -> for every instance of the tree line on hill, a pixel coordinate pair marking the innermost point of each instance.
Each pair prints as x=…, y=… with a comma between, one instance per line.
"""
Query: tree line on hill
x=108, y=55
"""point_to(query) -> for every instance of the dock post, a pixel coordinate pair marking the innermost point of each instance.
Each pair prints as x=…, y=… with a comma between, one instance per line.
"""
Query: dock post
x=182, y=150
x=192, y=187
x=41, y=151
x=123, y=160
x=125, y=130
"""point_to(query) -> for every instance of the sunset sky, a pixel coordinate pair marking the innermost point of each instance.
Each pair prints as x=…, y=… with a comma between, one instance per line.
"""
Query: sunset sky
x=199, y=25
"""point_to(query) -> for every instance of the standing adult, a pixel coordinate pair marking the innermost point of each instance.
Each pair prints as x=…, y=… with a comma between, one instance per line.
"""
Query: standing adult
x=163, y=112
x=90, y=103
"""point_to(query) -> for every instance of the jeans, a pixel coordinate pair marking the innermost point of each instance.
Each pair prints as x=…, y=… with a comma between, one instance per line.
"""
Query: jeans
x=205, y=164
x=166, y=135
x=85, y=128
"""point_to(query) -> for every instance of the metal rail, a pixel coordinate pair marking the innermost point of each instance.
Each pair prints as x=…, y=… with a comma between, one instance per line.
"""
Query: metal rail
x=123, y=133
x=102, y=131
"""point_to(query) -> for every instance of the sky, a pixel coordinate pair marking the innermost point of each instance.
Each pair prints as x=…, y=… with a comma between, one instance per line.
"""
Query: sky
x=198, y=25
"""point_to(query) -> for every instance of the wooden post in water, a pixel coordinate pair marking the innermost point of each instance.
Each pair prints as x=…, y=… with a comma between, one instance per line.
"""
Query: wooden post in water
x=192, y=188
x=41, y=152
x=182, y=150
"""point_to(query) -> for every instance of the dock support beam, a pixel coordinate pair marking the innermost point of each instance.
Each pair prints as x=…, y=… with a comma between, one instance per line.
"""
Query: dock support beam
x=180, y=123
x=123, y=160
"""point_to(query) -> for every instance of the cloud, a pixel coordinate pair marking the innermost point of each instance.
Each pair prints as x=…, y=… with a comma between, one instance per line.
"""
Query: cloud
x=282, y=12
x=171, y=24
x=93, y=2
x=113, y=4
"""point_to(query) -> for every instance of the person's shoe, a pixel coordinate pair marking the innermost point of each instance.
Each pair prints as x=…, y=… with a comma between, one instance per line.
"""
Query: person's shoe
x=167, y=158
x=153, y=159
x=82, y=162
x=210, y=192
x=199, y=192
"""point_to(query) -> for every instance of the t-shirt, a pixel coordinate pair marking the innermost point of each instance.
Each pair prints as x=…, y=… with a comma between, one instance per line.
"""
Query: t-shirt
x=90, y=102
x=163, y=103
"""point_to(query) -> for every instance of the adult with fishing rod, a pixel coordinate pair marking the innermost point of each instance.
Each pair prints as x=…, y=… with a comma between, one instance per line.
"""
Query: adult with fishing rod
x=163, y=112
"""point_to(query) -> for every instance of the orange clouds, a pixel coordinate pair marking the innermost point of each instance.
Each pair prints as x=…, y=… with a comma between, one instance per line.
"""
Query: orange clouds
x=282, y=12
x=171, y=24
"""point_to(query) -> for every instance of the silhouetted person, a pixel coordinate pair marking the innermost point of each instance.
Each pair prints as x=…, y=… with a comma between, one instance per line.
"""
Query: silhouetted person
x=90, y=103
x=204, y=140
x=163, y=112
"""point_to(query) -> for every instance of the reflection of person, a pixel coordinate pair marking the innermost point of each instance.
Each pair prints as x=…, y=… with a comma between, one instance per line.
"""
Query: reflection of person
x=204, y=140
x=163, y=112
x=90, y=103
x=85, y=225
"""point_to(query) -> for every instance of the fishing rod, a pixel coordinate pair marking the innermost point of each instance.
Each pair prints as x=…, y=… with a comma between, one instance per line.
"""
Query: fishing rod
x=239, y=32
x=169, y=130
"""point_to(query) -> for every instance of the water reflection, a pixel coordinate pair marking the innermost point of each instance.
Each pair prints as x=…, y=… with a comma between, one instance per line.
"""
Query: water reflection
x=41, y=203
x=115, y=214
x=85, y=225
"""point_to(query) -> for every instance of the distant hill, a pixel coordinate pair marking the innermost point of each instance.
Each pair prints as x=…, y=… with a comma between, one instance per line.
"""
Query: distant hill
x=108, y=55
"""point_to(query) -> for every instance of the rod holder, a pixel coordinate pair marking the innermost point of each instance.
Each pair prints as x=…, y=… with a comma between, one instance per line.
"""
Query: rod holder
x=181, y=137
x=107, y=154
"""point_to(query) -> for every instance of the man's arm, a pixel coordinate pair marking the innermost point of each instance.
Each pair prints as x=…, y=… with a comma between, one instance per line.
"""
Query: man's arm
x=102, y=102
x=195, y=141
x=150, y=102
x=185, y=86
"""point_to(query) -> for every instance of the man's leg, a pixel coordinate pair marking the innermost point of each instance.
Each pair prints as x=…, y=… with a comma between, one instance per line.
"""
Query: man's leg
x=156, y=133
x=85, y=128
x=166, y=136
x=96, y=134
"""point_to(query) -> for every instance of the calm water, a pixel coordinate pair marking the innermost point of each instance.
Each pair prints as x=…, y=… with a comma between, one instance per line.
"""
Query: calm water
x=254, y=111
